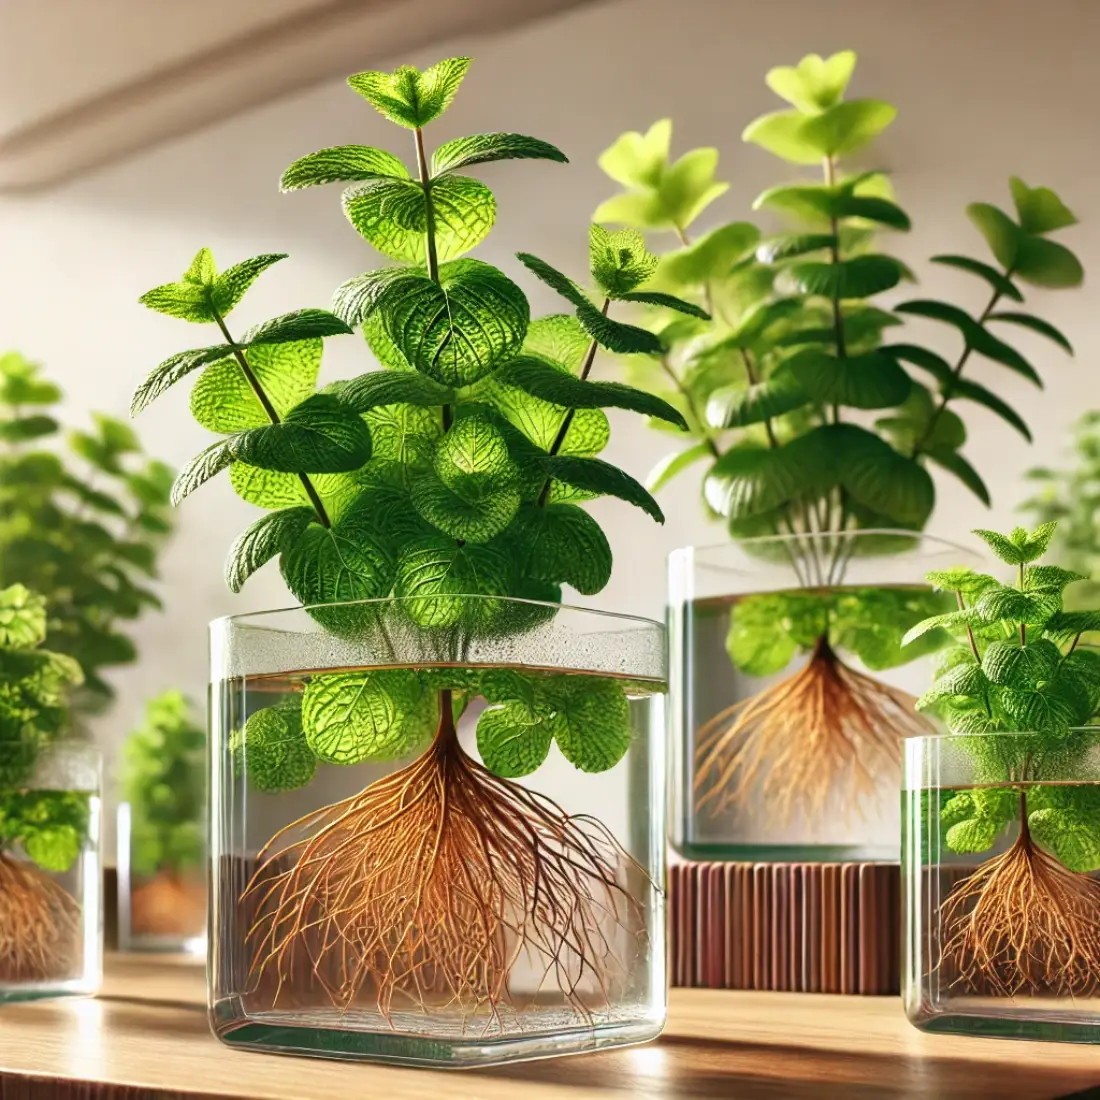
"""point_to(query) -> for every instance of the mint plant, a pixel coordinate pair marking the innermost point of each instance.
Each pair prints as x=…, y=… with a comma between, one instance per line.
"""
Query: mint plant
x=41, y=831
x=444, y=482
x=813, y=401
x=1026, y=919
x=82, y=524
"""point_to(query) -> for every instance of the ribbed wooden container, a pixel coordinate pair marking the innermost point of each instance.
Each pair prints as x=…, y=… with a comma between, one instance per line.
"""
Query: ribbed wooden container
x=794, y=927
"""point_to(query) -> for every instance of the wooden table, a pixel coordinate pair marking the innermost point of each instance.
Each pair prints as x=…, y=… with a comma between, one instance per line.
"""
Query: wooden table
x=146, y=1037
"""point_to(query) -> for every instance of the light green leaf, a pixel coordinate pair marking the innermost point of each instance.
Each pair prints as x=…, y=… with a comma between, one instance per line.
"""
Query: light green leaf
x=688, y=187
x=22, y=618
x=738, y=407
x=460, y=330
x=815, y=83
x=512, y=740
x=274, y=489
x=563, y=544
x=674, y=464
x=1013, y=665
x=232, y=284
x=835, y=131
x=591, y=721
x=544, y=380
x=1021, y=547
x=860, y=277
x=554, y=279
x=757, y=641
x=341, y=164
x=302, y=324
x=711, y=256
x=620, y=261
x=436, y=574
x=637, y=160
x=1068, y=624
x=404, y=435
x=411, y=98
x=1039, y=209
x=206, y=464
x=1005, y=604
x=189, y=301
x=1049, y=578
x=224, y=401
x=355, y=716
x=559, y=338
x=168, y=373
x=1001, y=233
x=321, y=435
x=394, y=387
x=269, y=535
x=473, y=520
x=1070, y=834
x=615, y=336
x=54, y=848
x=272, y=750
x=393, y=216
x=793, y=244
x=870, y=381
x=357, y=300
x=976, y=819
x=595, y=475
x=481, y=148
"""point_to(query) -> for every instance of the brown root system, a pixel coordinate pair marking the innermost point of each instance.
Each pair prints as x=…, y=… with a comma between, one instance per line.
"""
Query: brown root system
x=430, y=887
x=168, y=905
x=39, y=924
x=820, y=741
x=1023, y=923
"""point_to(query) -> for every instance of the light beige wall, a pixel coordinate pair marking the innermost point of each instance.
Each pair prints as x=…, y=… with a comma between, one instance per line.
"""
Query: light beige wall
x=984, y=87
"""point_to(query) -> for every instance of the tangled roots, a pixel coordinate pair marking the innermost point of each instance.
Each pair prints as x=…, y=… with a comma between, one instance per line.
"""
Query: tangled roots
x=39, y=924
x=1023, y=923
x=427, y=888
x=825, y=731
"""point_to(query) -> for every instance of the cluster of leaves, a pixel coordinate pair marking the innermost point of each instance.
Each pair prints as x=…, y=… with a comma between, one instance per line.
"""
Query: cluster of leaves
x=83, y=526
x=50, y=826
x=1018, y=667
x=164, y=781
x=769, y=630
x=1072, y=499
x=777, y=387
x=447, y=479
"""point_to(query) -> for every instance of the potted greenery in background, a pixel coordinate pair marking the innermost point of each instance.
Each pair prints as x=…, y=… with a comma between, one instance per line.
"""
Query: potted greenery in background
x=1002, y=841
x=427, y=516
x=83, y=525
x=49, y=817
x=162, y=875
x=817, y=413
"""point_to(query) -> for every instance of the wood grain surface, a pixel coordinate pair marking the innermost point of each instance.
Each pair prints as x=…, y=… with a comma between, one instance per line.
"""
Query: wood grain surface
x=146, y=1038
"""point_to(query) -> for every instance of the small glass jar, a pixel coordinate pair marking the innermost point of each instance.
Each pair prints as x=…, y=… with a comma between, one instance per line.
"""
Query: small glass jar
x=789, y=691
x=159, y=908
x=51, y=870
x=418, y=907
x=1001, y=900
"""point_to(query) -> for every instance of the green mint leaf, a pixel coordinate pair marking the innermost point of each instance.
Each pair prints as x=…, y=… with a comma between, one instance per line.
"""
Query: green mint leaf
x=638, y=160
x=393, y=216
x=1071, y=834
x=481, y=148
x=270, y=535
x=404, y=436
x=357, y=716
x=1019, y=552
x=461, y=329
x=411, y=98
x=206, y=464
x=1035, y=324
x=815, y=83
x=615, y=336
x=188, y=301
x=1068, y=624
x=955, y=464
x=620, y=261
x=1005, y=604
x=223, y=399
x=20, y=383
x=961, y=579
x=357, y=300
x=562, y=544
x=711, y=256
x=740, y=406
x=302, y=324
x=1049, y=710
x=544, y=380
x=665, y=301
x=1050, y=579
x=1039, y=209
x=966, y=390
x=879, y=478
x=272, y=750
x=319, y=436
x=590, y=720
x=27, y=428
x=386, y=387
x=950, y=620
x=998, y=280
x=338, y=564
x=342, y=164
x=512, y=740
x=232, y=284
x=473, y=520
x=54, y=848
x=976, y=819
x=22, y=618
x=272, y=490
x=838, y=130
x=555, y=280
x=203, y=270
x=860, y=277
x=436, y=575
x=168, y=373
x=870, y=381
x=595, y=475
x=758, y=641
x=674, y=464
x=964, y=680
x=1010, y=664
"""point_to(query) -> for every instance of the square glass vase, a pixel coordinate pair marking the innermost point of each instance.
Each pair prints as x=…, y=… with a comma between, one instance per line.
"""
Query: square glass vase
x=406, y=867
x=51, y=871
x=159, y=908
x=1000, y=895
x=790, y=692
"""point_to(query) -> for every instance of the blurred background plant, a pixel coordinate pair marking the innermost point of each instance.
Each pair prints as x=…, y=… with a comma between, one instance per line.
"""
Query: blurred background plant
x=82, y=521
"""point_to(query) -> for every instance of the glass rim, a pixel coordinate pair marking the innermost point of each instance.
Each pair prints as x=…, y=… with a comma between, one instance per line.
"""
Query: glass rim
x=937, y=738
x=818, y=536
x=242, y=618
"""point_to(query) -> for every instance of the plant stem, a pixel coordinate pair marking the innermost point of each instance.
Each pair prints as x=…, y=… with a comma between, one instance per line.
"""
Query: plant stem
x=969, y=631
x=1023, y=626
x=956, y=374
x=692, y=405
x=559, y=439
x=272, y=415
x=431, y=256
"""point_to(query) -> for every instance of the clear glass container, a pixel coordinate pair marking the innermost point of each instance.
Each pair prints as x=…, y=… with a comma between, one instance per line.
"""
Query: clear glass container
x=159, y=908
x=1001, y=905
x=51, y=870
x=424, y=910
x=789, y=691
